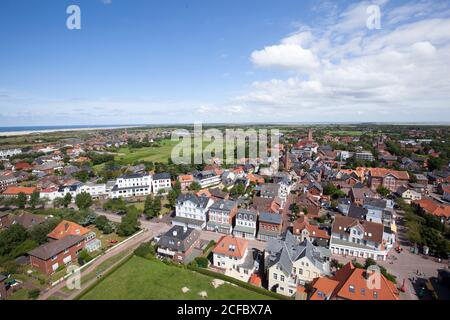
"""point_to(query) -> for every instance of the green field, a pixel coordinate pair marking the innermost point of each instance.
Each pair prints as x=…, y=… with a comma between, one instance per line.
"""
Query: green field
x=142, y=279
x=156, y=154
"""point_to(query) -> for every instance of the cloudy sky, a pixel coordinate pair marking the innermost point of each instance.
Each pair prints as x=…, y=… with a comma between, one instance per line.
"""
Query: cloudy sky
x=167, y=61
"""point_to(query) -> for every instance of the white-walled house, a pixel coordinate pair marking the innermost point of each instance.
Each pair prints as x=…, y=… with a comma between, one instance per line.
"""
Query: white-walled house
x=246, y=221
x=8, y=153
x=290, y=263
x=132, y=185
x=95, y=190
x=357, y=238
x=207, y=179
x=232, y=255
x=161, y=181
x=191, y=211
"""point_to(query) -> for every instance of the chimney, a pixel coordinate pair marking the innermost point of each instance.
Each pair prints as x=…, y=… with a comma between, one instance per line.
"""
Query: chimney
x=174, y=233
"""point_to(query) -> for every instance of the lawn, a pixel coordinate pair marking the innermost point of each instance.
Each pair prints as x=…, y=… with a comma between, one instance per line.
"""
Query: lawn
x=142, y=279
x=127, y=156
x=141, y=205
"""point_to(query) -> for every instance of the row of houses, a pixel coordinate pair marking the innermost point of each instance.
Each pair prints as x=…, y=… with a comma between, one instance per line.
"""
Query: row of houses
x=126, y=186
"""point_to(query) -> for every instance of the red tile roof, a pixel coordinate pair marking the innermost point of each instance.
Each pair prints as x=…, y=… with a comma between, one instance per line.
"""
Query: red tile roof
x=434, y=208
x=355, y=285
x=65, y=228
x=382, y=172
x=14, y=191
x=323, y=288
x=231, y=246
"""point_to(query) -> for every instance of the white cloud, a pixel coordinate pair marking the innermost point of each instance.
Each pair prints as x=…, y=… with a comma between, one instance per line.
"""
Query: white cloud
x=345, y=69
x=290, y=56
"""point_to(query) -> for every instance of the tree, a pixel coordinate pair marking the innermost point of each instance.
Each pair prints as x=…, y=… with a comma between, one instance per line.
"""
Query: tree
x=172, y=198
x=12, y=238
x=101, y=222
x=34, y=199
x=83, y=200
x=21, y=200
x=436, y=163
x=195, y=186
x=58, y=202
x=129, y=224
x=383, y=191
x=67, y=200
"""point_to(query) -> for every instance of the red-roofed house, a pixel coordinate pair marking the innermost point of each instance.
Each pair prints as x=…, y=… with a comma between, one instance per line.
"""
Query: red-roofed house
x=14, y=191
x=390, y=179
x=430, y=206
x=68, y=228
x=302, y=229
x=351, y=283
x=232, y=256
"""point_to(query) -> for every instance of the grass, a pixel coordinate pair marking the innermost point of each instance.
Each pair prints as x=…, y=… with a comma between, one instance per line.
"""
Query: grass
x=106, y=238
x=101, y=268
x=128, y=156
x=21, y=294
x=141, y=204
x=142, y=279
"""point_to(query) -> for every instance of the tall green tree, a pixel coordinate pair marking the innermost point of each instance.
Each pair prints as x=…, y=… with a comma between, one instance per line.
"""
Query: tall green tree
x=67, y=200
x=21, y=200
x=34, y=199
x=83, y=200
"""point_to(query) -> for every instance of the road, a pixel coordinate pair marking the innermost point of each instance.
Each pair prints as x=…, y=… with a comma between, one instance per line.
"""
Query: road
x=150, y=230
x=159, y=228
x=406, y=264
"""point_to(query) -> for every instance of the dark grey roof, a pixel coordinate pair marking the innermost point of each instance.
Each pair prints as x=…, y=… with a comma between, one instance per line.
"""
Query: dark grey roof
x=48, y=250
x=357, y=212
x=179, y=238
x=269, y=190
x=270, y=217
x=244, y=214
x=223, y=205
x=133, y=176
x=201, y=202
x=288, y=249
x=377, y=203
x=2, y=277
x=161, y=176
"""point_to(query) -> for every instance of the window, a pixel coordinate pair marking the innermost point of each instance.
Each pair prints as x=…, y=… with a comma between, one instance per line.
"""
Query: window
x=275, y=276
x=375, y=295
x=282, y=278
x=351, y=288
x=363, y=291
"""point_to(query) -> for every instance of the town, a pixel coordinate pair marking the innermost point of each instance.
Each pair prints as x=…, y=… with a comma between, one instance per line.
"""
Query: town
x=332, y=212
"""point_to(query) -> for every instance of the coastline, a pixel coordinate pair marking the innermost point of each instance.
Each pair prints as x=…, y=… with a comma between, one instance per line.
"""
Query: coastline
x=28, y=132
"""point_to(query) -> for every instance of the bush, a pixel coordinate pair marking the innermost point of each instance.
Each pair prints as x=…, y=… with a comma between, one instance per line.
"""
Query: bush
x=201, y=262
x=34, y=294
x=238, y=282
x=145, y=250
x=84, y=257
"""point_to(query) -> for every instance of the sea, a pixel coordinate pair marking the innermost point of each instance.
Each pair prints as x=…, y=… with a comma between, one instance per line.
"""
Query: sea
x=29, y=129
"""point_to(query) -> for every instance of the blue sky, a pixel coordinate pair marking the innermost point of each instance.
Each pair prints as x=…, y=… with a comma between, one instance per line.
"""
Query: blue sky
x=136, y=61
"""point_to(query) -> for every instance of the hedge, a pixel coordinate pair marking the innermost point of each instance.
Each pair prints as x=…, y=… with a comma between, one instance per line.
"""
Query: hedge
x=239, y=283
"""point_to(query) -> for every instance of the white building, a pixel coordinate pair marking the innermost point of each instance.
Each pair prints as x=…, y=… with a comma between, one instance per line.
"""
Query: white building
x=245, y=224
x=290, y=263
x=6, y=181
x=95, y=190
x=191, y=211
x=355, y=238
x=233, y=257
x=161, y=181
x=8, y=153
x=207, y=179
x=132, y=185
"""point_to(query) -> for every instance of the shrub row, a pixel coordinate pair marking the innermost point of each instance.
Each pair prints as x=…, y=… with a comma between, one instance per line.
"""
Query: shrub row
x=239, y=283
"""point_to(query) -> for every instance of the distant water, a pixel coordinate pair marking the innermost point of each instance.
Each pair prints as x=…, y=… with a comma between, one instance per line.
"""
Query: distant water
x=52, y=128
